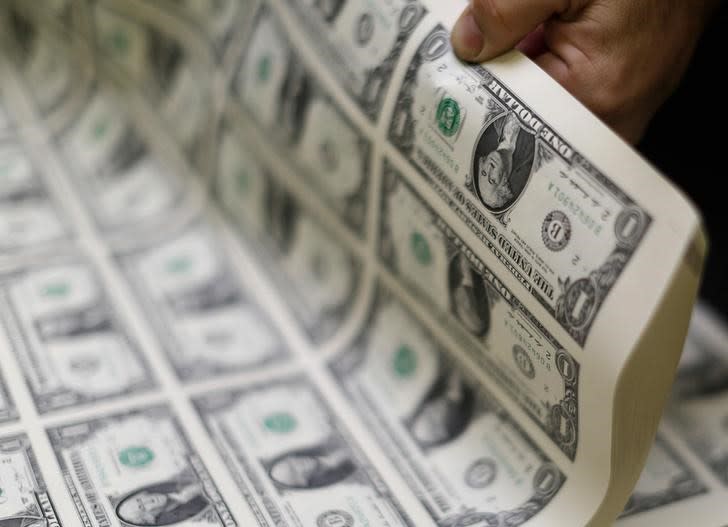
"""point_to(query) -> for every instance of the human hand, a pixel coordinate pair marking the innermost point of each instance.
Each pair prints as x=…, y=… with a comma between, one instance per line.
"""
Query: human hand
x=621, y=58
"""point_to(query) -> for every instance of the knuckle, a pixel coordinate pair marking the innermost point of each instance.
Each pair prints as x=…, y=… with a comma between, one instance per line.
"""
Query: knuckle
x=604, y=90
x=607, y=101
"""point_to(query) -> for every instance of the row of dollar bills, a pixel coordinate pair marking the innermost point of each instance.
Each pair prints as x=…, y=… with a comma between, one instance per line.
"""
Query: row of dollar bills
x=291, y=263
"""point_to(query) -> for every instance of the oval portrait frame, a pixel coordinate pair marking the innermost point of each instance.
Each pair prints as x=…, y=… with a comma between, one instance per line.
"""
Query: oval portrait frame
x=487, y=133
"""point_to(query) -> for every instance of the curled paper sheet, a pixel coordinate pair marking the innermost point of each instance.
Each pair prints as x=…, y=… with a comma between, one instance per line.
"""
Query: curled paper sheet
x=291, y=263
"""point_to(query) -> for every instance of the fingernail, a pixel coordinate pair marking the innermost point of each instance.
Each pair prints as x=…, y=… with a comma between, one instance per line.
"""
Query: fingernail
x=467, y=38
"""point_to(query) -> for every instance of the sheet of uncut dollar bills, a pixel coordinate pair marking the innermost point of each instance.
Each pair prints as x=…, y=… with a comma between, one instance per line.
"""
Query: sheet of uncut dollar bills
x=254, y=271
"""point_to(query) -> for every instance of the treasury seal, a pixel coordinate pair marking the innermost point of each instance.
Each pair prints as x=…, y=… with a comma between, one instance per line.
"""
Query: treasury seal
x=335, y=518
x=448, y=116
x=481, y=473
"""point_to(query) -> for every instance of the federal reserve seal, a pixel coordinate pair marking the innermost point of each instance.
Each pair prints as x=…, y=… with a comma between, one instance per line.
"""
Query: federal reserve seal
x=523, y=361
x=335, y=518
x=481, y=473
x=556, y=230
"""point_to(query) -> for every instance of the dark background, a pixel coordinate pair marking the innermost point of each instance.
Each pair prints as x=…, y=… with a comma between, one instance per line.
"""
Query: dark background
x=688, y=142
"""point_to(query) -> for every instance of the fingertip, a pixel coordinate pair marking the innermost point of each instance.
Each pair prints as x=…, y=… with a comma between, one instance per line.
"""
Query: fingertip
x=467, y=38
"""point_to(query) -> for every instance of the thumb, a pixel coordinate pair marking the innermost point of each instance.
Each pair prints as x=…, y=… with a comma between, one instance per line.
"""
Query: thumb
x=488, y=28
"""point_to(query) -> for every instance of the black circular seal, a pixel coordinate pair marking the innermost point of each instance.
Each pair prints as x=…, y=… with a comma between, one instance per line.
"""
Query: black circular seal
x=481, y=473
x=523, y=361
x=556, y=230
x=335, y=518
x=502, y=162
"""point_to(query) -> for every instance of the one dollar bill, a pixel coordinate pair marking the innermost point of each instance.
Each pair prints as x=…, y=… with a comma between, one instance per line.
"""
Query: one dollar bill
x=208, y=324
x=30, y=217
x=461, y=453
x=293, y=460
x=667, y=478
x=698, y=410
x=360, y=42
x=306, y=125
x=69, y=337
x=493, y=326
x=559, y=225
x=120, y=178
x=315, y=272
x=136, y=469
x=160, y=65
x=702, y=422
